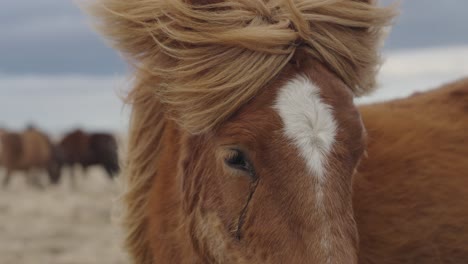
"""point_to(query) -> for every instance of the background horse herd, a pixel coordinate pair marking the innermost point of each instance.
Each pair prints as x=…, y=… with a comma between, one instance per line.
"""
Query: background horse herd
x=34, y=153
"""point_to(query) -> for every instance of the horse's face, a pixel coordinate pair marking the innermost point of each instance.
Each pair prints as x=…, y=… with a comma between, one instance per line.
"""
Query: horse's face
x=274, y=181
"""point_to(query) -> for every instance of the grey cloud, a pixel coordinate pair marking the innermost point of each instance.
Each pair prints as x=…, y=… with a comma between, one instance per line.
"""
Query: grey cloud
x=428, y=23
x=53, y=36
x=18, y=11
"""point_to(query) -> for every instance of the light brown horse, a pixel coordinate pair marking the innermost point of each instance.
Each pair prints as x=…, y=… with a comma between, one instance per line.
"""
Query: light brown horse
x=28, y=151
x=244, y=137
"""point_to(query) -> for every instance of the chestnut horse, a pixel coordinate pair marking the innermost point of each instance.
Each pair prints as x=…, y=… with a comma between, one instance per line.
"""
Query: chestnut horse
x=244, y=137
x=28, y=151
x=410, y=195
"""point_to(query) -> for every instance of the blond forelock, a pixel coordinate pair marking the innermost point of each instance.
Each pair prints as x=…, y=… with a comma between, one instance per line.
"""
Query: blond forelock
x=211, y=57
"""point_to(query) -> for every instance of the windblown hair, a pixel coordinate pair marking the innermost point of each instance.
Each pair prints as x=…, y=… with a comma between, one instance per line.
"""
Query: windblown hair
x=199, y=61
x=211, y=57
x=144, y=149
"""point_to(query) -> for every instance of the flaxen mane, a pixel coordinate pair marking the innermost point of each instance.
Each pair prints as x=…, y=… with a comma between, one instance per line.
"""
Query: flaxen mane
x=199, y=61
x=212, y=58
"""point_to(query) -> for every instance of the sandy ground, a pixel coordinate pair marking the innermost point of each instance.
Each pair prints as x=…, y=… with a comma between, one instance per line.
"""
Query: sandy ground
x=58, y=224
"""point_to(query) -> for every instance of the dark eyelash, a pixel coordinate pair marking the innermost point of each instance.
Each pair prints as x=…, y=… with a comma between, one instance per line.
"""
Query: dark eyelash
x=237, y=160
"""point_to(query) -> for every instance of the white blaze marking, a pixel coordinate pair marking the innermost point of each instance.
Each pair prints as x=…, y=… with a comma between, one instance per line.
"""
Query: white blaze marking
x=309, y=124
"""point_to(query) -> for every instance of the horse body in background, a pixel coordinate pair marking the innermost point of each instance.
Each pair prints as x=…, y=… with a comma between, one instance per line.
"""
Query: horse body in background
x=28, y=151
x=410, y=193
x=2, y=132
x=244, y=137
x=89, y=149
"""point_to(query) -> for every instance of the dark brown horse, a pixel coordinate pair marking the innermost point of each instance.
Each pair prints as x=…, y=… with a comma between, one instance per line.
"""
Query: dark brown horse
x=28, y=151
x=89, y=149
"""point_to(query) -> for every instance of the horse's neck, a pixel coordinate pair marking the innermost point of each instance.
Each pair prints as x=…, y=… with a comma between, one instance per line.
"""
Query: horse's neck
x=417, y=154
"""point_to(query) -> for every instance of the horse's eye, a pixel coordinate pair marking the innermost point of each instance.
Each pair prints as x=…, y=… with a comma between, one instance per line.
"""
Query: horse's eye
x=237, y=160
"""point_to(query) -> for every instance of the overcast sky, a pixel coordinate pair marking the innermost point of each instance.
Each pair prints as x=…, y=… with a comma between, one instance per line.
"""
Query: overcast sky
x=53, y=37
x=56, y=72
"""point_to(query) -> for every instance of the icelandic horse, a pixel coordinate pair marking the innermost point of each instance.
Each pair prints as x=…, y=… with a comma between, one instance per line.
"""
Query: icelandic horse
x=28, y=151
x=245, y=140
x=80, y=148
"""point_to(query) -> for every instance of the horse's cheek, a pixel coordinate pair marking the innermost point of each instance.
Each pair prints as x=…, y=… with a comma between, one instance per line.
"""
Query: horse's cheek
x=234, y=192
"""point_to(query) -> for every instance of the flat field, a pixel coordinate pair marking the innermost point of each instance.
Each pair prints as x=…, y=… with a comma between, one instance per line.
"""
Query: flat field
x=60, y=224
